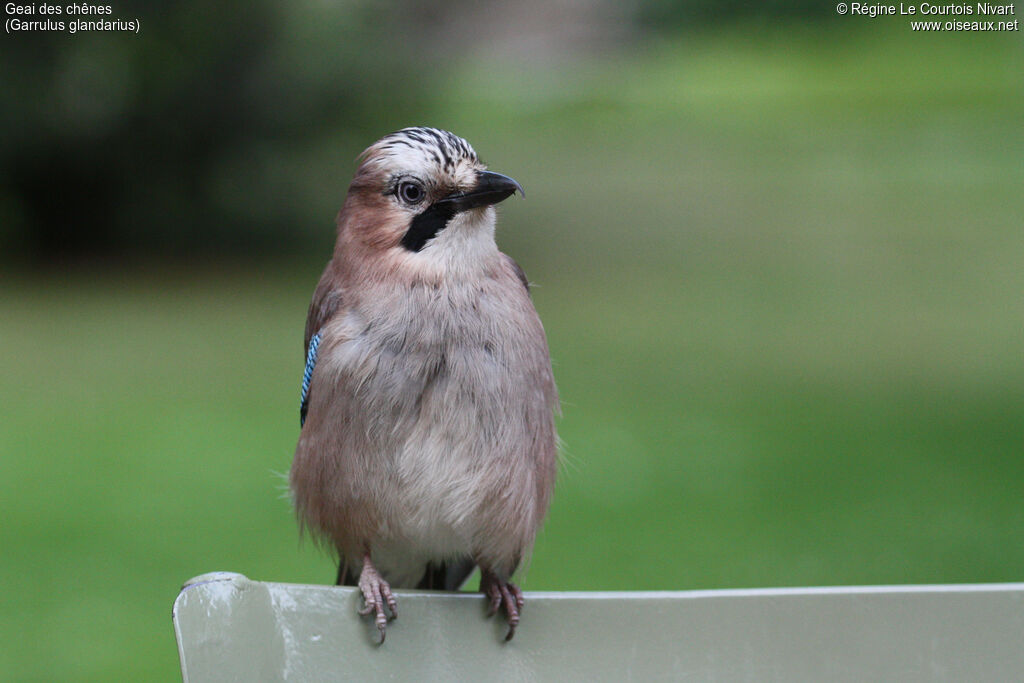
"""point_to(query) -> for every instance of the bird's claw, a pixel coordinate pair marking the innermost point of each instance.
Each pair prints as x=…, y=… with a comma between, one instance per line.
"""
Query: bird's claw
x=376, y=594
x=503, y=594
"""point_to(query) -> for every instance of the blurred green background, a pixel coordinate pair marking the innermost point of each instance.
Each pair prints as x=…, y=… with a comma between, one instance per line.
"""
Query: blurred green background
x=778, y=254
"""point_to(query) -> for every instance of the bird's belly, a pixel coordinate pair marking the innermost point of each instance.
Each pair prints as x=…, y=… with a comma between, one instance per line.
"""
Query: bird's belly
x=436, y=426
x=403, y=560
x=433, y=505
x=440, y=466
x=451, y=454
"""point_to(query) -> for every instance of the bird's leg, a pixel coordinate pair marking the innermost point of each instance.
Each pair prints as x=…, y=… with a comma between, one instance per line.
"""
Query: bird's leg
x=344, y=577
x=376, y=592
x=502, y=594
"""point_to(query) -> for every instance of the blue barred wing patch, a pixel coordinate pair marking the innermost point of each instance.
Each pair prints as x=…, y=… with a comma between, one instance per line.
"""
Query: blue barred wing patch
x=307, y=376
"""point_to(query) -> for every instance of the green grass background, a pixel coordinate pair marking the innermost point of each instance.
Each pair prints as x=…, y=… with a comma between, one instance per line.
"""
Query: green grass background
x=782, y=280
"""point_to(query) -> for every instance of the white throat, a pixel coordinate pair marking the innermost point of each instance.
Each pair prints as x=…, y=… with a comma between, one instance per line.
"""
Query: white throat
x=465, y=245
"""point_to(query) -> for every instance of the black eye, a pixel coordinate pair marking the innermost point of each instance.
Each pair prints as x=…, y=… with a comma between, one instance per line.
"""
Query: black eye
x=410, y=193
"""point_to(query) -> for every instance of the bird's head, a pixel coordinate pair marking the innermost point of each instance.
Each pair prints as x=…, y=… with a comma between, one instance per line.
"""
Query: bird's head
x=423, y=191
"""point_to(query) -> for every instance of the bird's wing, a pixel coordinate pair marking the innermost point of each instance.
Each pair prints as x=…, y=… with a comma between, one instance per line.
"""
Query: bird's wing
x=326, y=302
x=518, y=270
x=307, y=377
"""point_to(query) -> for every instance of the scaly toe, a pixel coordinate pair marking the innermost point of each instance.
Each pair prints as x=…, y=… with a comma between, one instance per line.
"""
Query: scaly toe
x=392, y=603
x=511, y=607
x=520, y=600
x=495, y=598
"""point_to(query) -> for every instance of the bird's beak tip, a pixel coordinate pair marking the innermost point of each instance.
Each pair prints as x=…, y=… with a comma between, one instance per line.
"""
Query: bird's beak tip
x=507, y=181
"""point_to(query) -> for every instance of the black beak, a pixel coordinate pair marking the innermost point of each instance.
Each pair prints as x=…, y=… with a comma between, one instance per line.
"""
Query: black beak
x=490, y=188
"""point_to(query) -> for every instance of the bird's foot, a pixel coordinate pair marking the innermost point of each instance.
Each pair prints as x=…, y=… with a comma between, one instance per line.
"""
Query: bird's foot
x=376, y=593
x=502, y=594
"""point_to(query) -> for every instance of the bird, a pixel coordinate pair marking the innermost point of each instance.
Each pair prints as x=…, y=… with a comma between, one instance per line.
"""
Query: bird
x=427, y=442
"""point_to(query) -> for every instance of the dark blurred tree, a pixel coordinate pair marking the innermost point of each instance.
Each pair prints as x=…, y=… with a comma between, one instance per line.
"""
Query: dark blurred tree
x=189, y=137
x=232, y=127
